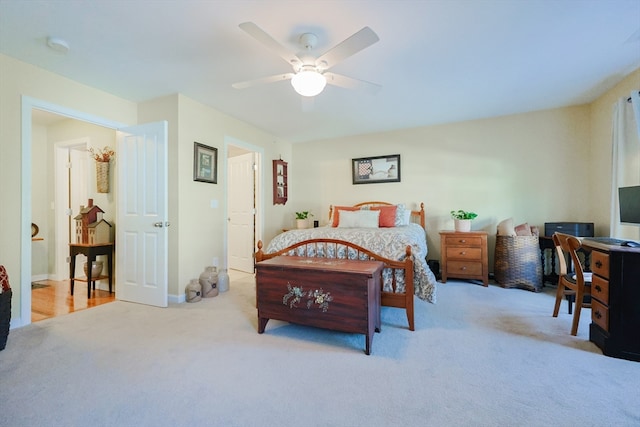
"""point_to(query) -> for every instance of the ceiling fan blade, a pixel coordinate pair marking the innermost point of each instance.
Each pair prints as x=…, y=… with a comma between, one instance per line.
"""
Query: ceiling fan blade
x=354, y=44
x=257, y=33
x=351, y=83
x=263, y=80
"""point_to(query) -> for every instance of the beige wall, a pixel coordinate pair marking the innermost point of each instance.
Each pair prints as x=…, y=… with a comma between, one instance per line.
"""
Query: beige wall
x=523, y=166
x=17, y=80
x=538, y=167
x=197, y=231
x=189, y=201
x=600, y=153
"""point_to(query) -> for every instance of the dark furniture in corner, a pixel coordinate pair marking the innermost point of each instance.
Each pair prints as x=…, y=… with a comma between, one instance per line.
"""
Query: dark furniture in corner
x=615, y=292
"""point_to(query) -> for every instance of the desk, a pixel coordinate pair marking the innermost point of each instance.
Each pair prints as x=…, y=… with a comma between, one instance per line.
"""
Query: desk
x=615, y=292
x=91, y=251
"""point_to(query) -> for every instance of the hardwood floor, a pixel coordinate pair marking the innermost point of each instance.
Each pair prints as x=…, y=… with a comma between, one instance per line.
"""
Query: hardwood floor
x=50, y=298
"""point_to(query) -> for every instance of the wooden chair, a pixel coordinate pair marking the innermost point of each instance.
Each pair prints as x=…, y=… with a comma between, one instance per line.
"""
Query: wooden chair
x=575, y=283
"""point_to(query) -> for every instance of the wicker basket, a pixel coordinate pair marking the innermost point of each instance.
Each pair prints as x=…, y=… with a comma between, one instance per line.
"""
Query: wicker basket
x=102, y=177
x=518, y=263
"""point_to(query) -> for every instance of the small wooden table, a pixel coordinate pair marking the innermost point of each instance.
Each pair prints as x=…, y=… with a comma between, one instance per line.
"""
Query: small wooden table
x=91, y=251
x=336, y=294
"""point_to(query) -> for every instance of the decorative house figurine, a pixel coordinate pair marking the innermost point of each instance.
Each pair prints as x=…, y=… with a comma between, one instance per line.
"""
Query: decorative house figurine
x=90, y=227
x=99, y=231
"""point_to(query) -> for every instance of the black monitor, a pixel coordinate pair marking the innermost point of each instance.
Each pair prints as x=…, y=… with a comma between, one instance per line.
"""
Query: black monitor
x=629, y=200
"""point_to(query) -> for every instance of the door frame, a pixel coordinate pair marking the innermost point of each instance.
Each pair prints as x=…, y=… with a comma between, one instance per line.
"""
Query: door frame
x=28, y=104
x=259, y=189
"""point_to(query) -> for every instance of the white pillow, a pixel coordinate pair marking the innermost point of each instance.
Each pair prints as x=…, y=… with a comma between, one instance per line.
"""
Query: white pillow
x=407, y=217
x=506, y=228
x=359, y=219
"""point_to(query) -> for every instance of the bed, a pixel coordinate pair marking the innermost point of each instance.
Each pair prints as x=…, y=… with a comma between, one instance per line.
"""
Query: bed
x=402, y=248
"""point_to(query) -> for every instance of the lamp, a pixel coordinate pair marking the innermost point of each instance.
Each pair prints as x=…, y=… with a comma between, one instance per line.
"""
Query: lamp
x=308, y=82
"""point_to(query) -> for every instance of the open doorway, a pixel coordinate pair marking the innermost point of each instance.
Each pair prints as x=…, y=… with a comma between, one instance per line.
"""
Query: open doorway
x=244, y=204
x=60, y=181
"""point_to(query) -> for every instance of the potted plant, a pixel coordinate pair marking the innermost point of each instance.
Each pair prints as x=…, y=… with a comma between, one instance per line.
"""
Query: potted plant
x=462, y=219
x=302, y=219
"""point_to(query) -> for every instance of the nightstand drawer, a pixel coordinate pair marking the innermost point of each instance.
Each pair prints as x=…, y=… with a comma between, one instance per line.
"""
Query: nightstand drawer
x=464, y=253
x=600, y=264
x=462, y=268
x=600, y=314
x=600, y=289
x=463, y=241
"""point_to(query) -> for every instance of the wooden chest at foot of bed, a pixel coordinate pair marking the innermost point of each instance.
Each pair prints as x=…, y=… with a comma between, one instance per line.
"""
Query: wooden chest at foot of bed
x=337, y=294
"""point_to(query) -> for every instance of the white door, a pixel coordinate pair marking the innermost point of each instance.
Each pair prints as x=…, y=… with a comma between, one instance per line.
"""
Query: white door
x=241, y=211
x=141, y=226
x=71, y=177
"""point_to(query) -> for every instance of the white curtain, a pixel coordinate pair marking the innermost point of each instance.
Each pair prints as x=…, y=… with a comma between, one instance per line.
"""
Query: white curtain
x=626, y=159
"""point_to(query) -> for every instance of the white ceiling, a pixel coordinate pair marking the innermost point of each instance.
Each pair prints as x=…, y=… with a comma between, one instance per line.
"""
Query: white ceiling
x=438, y=61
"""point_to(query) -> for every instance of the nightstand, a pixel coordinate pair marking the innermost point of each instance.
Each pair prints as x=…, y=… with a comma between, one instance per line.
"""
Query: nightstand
x=464, y=255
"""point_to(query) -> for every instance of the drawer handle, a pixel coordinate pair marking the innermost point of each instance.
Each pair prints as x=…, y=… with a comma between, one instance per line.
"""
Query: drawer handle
x=462, y=241
x=597, y=315
x=599, y=264
x=463, y=268
x=463, y=253
x=598, y=288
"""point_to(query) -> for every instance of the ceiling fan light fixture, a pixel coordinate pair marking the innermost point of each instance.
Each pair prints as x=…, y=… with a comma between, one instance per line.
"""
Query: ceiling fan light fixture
x=308, y=82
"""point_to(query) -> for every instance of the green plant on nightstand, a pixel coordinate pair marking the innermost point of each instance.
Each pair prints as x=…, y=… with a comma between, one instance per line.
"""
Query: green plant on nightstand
x=462, y=219
x=303, y=215
x=302, y=219
x=460, y=214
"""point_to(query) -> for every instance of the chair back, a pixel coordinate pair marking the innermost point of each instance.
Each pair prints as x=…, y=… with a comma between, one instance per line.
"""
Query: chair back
x=567, y=244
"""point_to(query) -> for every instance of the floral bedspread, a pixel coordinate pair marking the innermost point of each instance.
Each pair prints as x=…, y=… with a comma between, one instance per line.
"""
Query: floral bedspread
x=388, y=242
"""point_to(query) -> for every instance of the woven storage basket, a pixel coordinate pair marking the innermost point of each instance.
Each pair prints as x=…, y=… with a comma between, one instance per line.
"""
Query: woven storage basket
x=518, y=263
x=102, y=177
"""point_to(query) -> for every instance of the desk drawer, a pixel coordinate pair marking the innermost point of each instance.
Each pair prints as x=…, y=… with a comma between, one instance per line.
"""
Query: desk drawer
x=600, y=314
x=600, y=289
x=464, y=253
x=463, y=241
x=462, y=268
x=600, y=264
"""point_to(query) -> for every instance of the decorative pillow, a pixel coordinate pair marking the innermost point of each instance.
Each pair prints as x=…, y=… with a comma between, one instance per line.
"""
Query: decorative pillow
x=359, y=219
x=506, y=228
x=401, y=215
x=523, y=230
x=387, y=215
x=407, y=217
x=4, y=280
x=335, y=217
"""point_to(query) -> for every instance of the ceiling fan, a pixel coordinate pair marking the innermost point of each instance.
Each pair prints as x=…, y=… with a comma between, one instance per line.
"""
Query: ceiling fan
x=310, y=75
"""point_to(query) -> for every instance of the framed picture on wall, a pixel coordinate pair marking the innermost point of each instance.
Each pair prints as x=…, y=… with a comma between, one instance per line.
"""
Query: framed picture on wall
x=205, y=163
x=369, y=170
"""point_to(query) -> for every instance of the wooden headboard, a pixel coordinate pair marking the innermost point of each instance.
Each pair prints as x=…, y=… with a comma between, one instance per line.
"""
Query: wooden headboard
x=416, y=216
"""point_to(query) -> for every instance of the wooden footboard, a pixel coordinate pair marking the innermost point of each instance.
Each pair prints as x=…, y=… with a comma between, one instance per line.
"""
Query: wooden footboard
x=389, y=299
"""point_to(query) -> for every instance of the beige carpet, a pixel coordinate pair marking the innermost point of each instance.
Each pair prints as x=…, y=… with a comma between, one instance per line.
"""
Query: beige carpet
x=479, y=357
